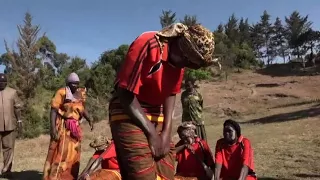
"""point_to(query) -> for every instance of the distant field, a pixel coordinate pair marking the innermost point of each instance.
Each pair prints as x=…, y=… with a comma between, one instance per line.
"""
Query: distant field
x=286, y=139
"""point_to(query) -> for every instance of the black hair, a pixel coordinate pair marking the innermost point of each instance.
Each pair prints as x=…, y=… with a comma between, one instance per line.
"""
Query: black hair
x=234, y=124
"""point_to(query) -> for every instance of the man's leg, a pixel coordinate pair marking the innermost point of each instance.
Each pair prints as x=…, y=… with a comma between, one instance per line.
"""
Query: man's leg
x=8, y=140
x=133, y=152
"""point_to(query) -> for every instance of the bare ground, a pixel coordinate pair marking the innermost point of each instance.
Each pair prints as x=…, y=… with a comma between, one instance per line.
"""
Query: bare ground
x=274, y=113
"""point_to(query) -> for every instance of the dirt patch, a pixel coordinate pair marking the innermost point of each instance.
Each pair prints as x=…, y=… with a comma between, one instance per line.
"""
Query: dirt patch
x=230, y=112
x=269, y=85
x=281, y=95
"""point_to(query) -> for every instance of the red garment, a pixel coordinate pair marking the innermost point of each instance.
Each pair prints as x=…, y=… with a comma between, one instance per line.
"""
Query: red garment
x=109, y=160
x=234, y=157
x=147, y=74
x=188, y=165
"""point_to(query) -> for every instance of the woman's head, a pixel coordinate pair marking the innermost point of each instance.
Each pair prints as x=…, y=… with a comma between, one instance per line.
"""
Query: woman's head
x=73, y=82
x=186, y=132
x=231, y=131
x=190, y=47
x=3, y=81
x=100, y=143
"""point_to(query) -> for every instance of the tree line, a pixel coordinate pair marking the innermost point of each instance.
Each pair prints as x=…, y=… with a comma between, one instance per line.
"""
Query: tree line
x=37, y=70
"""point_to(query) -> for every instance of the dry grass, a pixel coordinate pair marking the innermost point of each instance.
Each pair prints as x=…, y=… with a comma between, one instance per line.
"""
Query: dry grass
x=286, y=140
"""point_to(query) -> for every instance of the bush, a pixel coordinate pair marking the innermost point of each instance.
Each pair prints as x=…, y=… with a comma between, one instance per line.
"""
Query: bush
x=33, y=124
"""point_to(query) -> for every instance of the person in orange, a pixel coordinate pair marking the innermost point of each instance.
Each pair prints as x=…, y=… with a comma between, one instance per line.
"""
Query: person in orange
x=103, y=165
x=193, y=155
x=141, y=109
x=234, y=154
x=67, y=109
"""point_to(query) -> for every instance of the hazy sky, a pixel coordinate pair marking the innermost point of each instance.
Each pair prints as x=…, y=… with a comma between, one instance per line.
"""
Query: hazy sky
x=87, y=28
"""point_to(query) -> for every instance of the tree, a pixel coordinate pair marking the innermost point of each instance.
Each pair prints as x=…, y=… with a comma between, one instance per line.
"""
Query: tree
x=279, y=40
x=256, y=39
x=114, y=57
x=167, y=18
x=296, y=25
x=189, y=20
x=266, y=33
x=231, y=30
x=24, y=64
x=244, y=31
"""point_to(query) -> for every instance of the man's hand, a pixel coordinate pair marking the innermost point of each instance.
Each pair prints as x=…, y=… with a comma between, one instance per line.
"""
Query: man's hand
x=54, y=135
x=19, y=128
x=165, y=144
x=154, y=141
x=209, y=173
x=91, y=125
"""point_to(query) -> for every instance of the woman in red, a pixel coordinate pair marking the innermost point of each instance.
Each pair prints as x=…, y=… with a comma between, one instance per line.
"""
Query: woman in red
x=142, y=105
x=103, y=165
x=193, y=155
x=234, y=155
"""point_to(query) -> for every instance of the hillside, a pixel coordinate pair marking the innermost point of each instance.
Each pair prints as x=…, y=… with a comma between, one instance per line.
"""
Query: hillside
x=275, y=114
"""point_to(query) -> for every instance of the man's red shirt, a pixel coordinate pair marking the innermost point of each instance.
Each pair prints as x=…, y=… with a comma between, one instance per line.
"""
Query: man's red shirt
x=147, y=73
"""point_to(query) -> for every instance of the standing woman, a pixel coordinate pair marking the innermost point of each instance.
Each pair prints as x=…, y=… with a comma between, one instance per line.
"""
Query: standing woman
x=192, y=107
x=67, y=109
x=142, y=106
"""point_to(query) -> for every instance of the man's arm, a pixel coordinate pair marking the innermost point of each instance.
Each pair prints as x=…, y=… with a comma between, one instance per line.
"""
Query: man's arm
x=17, y=105
x=133, y=108
x=244, y=172
x=217, y=171
x=168, y=108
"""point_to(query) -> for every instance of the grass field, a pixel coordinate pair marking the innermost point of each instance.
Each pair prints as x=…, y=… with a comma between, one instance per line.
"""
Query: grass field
x=283, y=128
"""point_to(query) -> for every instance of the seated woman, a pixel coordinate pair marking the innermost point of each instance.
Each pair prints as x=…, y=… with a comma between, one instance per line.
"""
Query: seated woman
x=103, y=165
x=195, y=160
x=234, y=155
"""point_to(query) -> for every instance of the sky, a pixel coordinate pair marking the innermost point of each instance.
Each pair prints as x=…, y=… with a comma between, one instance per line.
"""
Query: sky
x=87, y=28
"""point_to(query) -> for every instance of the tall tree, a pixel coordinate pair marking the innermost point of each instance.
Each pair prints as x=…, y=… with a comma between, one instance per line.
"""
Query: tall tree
x=167, y=18
x=25, y=65
x=244, y=31
x=296, y=25
x=231, y=29
x=279, y=40
x=189, y=20
x=257, y=39
x=267, y=32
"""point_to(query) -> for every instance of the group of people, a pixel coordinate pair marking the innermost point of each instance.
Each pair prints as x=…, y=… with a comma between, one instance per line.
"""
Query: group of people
x=140, y=117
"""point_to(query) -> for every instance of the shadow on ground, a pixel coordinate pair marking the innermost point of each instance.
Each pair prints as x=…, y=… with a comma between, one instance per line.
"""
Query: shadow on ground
x=291, y=116
x=308, y=175
x=283, y=70
x=24, y=175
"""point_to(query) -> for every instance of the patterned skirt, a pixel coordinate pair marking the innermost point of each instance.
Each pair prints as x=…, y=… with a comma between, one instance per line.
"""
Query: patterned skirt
x=132, y=147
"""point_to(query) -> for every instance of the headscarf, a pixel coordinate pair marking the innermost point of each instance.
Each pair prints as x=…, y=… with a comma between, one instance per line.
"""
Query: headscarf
x=196, y=42
x=100, y=143
x=187, y=129
x=73, y=77
x=234, y=124
x=3, y=78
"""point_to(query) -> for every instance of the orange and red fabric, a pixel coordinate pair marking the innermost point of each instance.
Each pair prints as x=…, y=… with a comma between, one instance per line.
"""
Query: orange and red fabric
x=109, y=160
x=147, y=73
x=232, y=158
x=188, y=165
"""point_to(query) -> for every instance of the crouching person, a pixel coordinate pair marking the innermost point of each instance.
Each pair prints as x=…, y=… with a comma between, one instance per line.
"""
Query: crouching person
x=195, y=160
x=234, y=155
x=103, y=165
